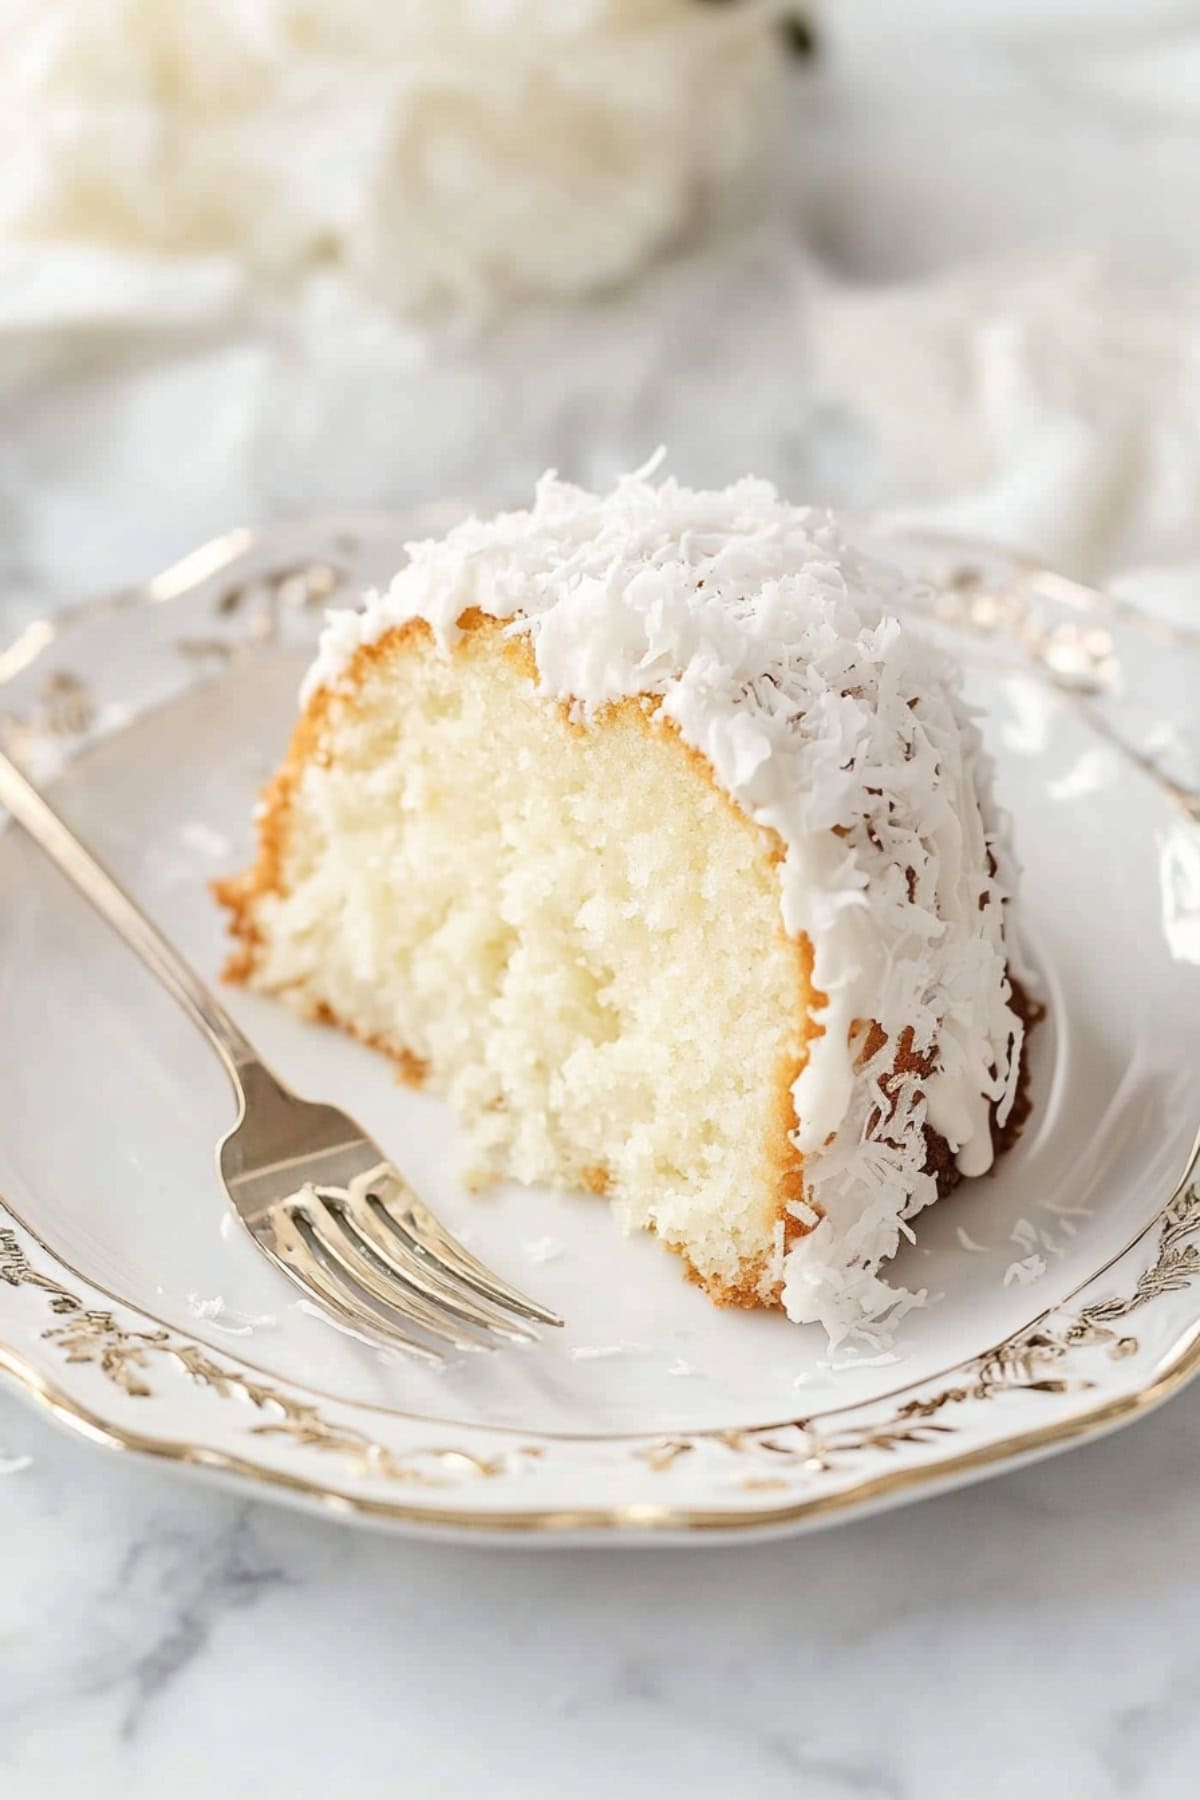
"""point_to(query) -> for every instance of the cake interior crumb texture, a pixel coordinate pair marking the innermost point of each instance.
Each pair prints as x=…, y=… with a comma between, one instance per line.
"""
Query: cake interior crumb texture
x=574, y=932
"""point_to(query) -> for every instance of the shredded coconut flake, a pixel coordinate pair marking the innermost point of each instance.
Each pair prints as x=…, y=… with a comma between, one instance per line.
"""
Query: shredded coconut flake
x=1067, y=1208
x=1030, y=1268
x=214, y=1311
x=968, y=1242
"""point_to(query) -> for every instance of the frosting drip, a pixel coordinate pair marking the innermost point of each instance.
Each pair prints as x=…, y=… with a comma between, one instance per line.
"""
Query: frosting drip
x=768, y=643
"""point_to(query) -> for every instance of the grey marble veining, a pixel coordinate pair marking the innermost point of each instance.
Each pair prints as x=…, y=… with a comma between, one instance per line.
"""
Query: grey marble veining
x=1032, y=1636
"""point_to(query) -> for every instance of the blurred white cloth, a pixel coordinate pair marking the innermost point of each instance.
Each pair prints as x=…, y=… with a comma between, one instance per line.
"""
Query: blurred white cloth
x=1009, y=194
x=1049, y=404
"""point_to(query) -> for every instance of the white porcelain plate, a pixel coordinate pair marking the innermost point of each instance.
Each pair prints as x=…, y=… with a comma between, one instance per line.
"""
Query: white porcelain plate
x=1064, y=1293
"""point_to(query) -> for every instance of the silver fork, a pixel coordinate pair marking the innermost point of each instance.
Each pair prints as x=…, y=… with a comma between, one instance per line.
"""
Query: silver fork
x=316, y=1194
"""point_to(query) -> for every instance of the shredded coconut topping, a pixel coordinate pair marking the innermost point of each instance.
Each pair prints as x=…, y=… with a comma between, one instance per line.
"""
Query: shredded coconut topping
x=1028, y=1269
x=455, y=153
x=764, y=637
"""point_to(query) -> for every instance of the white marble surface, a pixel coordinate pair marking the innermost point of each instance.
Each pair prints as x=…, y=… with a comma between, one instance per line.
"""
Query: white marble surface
x=1031, y=1637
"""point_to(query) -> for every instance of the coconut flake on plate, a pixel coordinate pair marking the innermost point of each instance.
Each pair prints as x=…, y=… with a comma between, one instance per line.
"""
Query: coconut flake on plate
x=1030, y=1268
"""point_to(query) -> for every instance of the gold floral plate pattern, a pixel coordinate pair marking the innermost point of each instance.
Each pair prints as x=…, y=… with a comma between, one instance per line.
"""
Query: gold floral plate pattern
x=1064, y=1294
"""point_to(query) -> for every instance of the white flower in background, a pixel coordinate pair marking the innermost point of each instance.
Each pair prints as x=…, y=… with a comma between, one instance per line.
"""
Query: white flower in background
x=445, y=154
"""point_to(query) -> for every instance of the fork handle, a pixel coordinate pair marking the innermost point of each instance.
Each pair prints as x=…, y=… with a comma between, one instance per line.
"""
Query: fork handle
x=38, y=818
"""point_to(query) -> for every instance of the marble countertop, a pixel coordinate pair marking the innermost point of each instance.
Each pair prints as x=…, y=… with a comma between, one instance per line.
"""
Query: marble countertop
x=1029, y=1637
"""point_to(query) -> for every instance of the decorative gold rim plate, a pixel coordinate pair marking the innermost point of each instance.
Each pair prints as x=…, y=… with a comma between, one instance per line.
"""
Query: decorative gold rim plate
x=1124, y=1339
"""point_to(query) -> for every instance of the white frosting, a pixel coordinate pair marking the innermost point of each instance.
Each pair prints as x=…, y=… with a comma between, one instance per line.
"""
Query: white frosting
x=765, y=639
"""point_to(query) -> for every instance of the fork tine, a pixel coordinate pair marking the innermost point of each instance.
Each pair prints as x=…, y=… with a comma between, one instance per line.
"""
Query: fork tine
x=281, y=1241
x=417, y=1228
x=383, y=1247
x=394, y=1295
